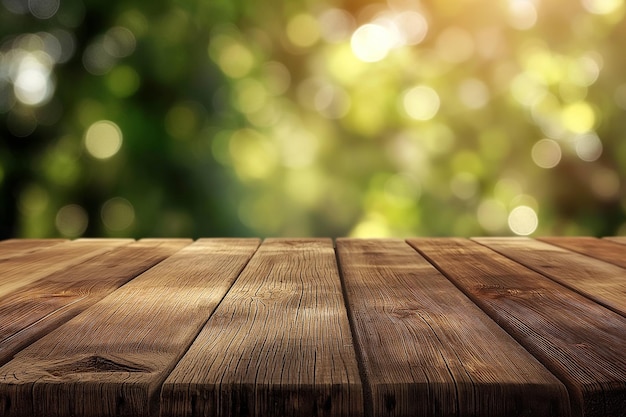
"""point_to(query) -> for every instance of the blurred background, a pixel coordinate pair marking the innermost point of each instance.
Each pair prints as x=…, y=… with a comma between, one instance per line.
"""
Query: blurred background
x=312, y=118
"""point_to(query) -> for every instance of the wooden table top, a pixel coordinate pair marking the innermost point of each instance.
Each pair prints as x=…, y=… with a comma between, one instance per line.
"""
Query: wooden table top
x=313, y=327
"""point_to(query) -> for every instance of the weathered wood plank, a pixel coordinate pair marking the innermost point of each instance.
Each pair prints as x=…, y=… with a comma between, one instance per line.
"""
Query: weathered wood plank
x=278, y=345
x=616, y=239
x=11, y=248
x=602, y=282
x=602, y=249
x=428, y=350
x=112, y=358
x=34, y=310
x=580, y=341
x=23, y=270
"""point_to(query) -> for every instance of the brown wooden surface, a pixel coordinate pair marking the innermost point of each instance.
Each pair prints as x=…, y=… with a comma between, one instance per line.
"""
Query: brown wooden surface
x=223, y=327
x=23, y=270
x=616, y=239
x=428, y=350
x=580, y=341
x=37, y=308
x=112, y=358
x=279, y=343
x=603, y=249
x=602, y=282
x=16, y=247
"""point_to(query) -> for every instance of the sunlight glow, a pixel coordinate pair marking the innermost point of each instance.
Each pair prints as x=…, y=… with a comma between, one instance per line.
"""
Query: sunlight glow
x=31, y=86
x=373, y=226
x=523, y=220
x=602, y=6
x=32, y=81
x=371, y=42
x=579, y=117
x=522, y=14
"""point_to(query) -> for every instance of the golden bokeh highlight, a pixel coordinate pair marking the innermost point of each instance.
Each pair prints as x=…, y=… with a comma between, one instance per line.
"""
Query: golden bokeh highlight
x=371, y=42
x=303, y=30
x=523, y=220
x=103, y=139
x=421, y=102
x=233, y=57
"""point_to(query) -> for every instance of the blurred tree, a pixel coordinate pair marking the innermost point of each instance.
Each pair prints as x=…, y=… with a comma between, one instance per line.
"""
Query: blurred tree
x=363, y=118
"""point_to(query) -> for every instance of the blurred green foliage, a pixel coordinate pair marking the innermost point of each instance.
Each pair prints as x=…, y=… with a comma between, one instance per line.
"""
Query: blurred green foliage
x=312, y=118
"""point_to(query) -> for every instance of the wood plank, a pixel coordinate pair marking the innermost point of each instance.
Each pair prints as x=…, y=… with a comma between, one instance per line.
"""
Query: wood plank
x=602, y=282
x=112, y=358
x=602, y=249
x=278, y=345
x=23, y=270
x=617, y=239
x=33, y=310
x=580, y=341
x=11, y=248
x=428, y=350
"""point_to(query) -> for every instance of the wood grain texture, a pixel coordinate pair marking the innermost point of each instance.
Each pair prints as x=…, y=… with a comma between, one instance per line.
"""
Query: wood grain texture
x=602, y=282
x=278, y=345
x=35, y=309
x=112, y=358
x=616, y=239
x=602, y=249
x=428, y=350
x=11, y=248
x=22, y=270
x=580, y=341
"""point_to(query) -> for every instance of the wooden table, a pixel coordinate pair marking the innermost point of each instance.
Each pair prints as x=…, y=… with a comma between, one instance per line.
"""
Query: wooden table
x=312, y=327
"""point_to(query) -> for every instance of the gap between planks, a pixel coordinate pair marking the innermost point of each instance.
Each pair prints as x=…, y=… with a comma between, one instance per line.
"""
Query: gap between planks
x=278, y=344
x=427, y=349
x=113, y=357
x=579, y=340
x=580, y=271
x=37, y=308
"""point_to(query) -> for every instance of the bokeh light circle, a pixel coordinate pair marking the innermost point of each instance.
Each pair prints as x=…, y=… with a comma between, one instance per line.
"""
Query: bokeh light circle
x=371, y=42
x=421, y=102
x=117, y=214
x=602, y=6
x=588, y=147
x=103, y=139
x=43, y=9
x=72, y=220
x=523, y=220
x=546, y=153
